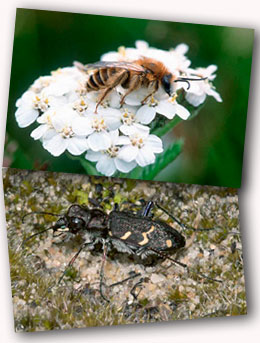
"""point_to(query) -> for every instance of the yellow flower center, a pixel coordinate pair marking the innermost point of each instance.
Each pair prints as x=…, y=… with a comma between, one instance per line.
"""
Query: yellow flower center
x=41, y=103
x=152, y=101
x=80, y=105
x=173, y=98
x=137, y=141
x=127, y=117
x=122, y=52
x=67, y=132
x=112, y=151
x=99, y=124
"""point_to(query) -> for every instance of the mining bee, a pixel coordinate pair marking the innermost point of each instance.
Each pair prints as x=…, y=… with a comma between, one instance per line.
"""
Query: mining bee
x=136, y=234
x=144, y=72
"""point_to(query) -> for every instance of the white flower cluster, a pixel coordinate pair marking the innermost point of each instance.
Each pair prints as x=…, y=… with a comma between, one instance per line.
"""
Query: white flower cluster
x=117, y=137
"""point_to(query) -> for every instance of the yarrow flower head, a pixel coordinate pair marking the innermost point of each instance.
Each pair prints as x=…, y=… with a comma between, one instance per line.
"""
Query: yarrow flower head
x=108, y=160
x=113, y=127
x=141, y=148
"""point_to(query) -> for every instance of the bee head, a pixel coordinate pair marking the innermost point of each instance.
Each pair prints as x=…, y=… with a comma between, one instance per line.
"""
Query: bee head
x=167, y=84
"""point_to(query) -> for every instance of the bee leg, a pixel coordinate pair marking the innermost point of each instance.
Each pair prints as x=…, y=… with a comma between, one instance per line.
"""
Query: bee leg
x=103, y=95
x=118, y=79
x=156, y=87
x=135, y=83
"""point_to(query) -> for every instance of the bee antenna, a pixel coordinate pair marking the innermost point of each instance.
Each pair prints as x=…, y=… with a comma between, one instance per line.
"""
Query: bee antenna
x=36, y=234
x=187, y=79
x=42, y=213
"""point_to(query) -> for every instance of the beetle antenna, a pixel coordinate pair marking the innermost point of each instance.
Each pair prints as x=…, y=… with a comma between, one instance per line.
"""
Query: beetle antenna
x=36, y=234
x=187, y=79
x=42, y=213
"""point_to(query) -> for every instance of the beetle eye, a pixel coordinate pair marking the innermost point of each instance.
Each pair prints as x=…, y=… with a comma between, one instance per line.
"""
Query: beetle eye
x=76, y=224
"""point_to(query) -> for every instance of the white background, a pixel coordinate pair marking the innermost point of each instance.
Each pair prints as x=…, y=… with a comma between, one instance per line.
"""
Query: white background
x=236, y=329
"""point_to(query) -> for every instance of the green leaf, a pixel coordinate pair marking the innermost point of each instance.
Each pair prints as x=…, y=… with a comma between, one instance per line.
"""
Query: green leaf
x=162, y=161
x=88, y=167
x=21, y=159
x=161, y=131
x=161, y=126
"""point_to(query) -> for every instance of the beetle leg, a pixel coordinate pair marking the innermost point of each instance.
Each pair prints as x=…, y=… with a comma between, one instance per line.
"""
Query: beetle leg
x=132, y=276
x=73, y=259
x=101, y=283
x=147, y=209
x=132, y=292
x=183, y=226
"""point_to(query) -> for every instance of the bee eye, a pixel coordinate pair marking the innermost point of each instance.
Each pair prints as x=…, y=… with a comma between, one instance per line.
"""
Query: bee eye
x=166, y=83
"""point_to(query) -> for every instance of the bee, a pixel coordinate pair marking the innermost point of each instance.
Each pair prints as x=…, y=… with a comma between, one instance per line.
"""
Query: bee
x=144, y=72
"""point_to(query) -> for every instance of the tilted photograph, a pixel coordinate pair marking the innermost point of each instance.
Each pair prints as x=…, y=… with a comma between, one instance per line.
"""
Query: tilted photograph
x=128, y=98
x=93, y=251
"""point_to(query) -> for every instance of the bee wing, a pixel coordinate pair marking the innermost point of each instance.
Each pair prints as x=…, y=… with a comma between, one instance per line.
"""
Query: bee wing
x=117, y=64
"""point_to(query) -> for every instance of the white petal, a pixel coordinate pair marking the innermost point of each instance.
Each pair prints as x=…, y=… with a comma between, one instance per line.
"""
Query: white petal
x=145, y=156
x=210, y=70
x=114, y=100
x=182, y=112
x=181, y=49
x=124, y=167
x=215, y=94
x=18, y=102
x=166, y=108
x=114, y=136
x=106, y=165
x=49, y=134
x=93, y=156
x=39, y=131
x=55, y=101
x=196, y=87
x=58, y=122
x=136, y=97
x=155, y=143
x=128, y=153
x=77, y=145
x=123, y=140
x=99, y=141
x=112, y=120
x=82, y=126
x=141, y=45
x=26, y=116
x=110, y=56
x=129, y=130
x=28, y=97
x=194, y=99
x=146, y=114
x=56, y=145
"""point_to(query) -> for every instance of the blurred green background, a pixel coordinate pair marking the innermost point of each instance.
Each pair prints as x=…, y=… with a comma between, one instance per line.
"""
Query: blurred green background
x=214, y=140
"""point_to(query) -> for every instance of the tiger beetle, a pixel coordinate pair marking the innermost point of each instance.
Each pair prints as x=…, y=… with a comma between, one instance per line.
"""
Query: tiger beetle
x=132, y=233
